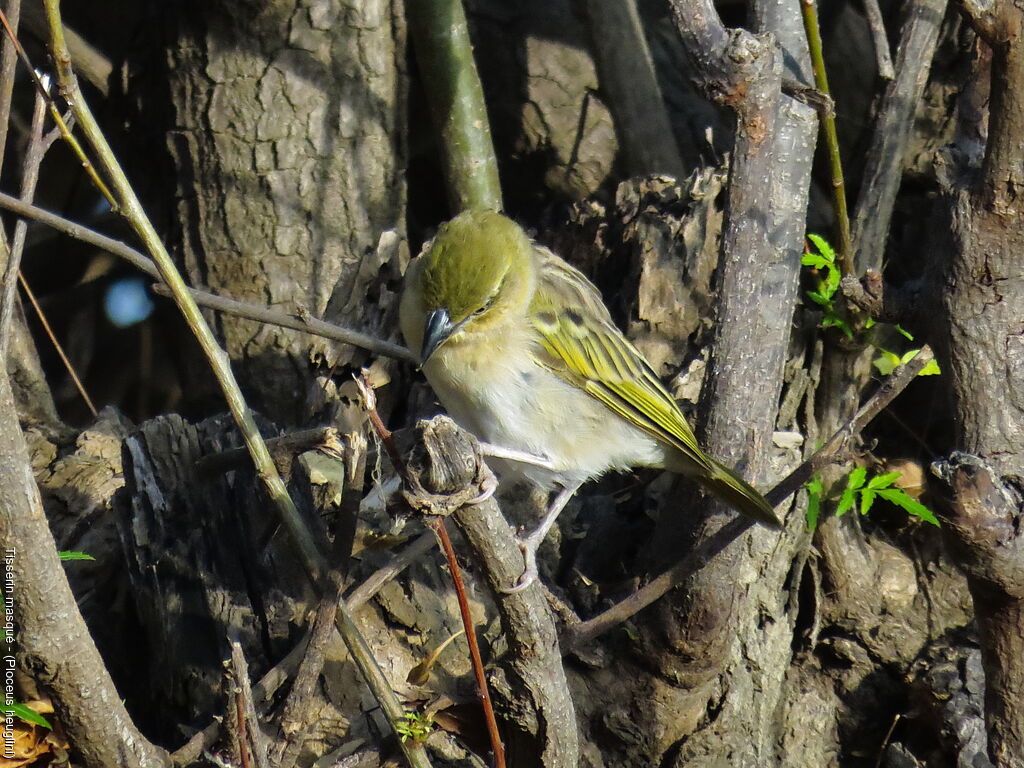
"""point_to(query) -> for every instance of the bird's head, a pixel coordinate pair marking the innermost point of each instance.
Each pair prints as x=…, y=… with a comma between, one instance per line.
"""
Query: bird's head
x=475, y=276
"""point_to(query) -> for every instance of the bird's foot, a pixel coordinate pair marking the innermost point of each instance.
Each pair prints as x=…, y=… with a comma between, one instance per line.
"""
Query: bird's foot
x=528, y=545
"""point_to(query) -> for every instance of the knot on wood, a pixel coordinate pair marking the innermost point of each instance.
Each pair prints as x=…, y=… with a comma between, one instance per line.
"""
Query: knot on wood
x=446, y=469
x=985, y=521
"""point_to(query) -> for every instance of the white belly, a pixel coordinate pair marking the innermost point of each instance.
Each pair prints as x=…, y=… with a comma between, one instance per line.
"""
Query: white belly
x=526, y=407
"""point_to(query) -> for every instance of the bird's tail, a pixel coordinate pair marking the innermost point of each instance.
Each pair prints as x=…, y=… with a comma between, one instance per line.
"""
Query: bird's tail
x=740, y=495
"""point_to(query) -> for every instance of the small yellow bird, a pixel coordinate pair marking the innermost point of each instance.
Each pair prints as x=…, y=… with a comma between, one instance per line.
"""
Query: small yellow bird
x=521, y=350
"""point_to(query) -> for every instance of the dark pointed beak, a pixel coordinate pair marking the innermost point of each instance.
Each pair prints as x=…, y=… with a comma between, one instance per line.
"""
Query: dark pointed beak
x=439, y=327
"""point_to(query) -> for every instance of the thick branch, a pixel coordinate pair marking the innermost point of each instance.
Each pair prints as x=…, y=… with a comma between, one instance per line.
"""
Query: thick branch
x=626, y=71
x=892, y=132
x=445, y=55
x=984, y=528
x=53, y=641
x=536, y=683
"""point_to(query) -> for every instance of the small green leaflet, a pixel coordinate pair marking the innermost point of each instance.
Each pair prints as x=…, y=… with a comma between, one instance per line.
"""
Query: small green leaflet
x=828, y=282
x=886, y=362
x=909, y=504
x=880, y=486
x=814, y=488
x=66, y=555
x=853, y=483
x=27, y=714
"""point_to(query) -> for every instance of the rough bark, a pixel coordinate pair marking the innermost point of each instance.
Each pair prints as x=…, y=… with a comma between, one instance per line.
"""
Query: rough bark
x=287, y=142
x=698, y=637
x=539, y=718
x=52, y=641
x=983, y=299
x=193, y=562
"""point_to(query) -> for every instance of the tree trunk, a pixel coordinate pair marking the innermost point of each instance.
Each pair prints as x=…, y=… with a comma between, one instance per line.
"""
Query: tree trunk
x=983, y=298
x=288, y=143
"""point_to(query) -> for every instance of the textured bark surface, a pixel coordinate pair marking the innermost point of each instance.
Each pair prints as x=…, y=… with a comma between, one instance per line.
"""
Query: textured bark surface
x=530, y=688
x=52, y=643
x=858, y=647
x=983, y=299
x=289, y=152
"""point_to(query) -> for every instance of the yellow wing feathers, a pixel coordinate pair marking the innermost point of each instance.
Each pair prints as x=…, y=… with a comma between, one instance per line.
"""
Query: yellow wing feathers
x=582, y=345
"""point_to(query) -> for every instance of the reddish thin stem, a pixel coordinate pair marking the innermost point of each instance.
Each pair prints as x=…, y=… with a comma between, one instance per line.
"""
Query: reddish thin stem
x=243, y=736
x=497, y=748
x=437, y=525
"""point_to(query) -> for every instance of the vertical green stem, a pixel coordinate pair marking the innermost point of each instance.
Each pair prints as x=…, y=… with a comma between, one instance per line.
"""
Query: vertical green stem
x=445, y=55
x=828, y=124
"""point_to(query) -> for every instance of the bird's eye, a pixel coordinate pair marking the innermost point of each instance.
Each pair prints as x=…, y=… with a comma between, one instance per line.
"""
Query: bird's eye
x=487, y=305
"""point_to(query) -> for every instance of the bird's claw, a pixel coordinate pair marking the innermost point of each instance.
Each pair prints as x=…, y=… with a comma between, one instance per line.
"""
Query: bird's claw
x=528, y=546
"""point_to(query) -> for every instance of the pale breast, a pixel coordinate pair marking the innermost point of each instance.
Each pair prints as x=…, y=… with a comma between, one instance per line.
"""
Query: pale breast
x=497, y=392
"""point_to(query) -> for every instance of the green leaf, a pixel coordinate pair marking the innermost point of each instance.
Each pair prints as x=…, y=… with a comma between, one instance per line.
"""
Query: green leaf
x=886, y=362
x=814, y=488
x=66, y=555
x=821, y=244
x=813, y=260
x=856, y=478
x=832, y=321
x=909, y=504
x=867, y=498
x=846, y=502
x=883, y=481
x=818, y=299
x=831, y=282
x=27, y=714
x=931, y=368
x=904, y=332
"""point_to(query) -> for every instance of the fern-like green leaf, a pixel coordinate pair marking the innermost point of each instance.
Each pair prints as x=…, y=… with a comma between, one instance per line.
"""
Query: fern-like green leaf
x=867, y=498
x=856, y=478
x=814, y=488
x=29, y=715
x=66, y=555
x=883, y=481
x=908, y=503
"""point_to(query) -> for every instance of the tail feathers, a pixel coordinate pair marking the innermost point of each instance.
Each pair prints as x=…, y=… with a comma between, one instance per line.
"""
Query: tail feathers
x=737, y=493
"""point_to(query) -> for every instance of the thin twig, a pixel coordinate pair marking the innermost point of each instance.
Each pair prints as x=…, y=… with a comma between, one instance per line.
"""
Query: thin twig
x=285, y=445
x=65, y=131
x=828, y=125
x=919, y=35
x=584, y=632
x=8, y=67
x=313, y=561
x=143, y=263
x=373, y=583
x=249, y=735
x=57, y=346
x=298, y=705
x=880, y=39
x=300, y=322
x=29, y=177
x=38, y=146
x=497, y=748
x=269, y=684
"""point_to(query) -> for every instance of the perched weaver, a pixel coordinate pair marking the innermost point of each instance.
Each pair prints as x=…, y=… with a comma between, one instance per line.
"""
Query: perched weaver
x=521, y=350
